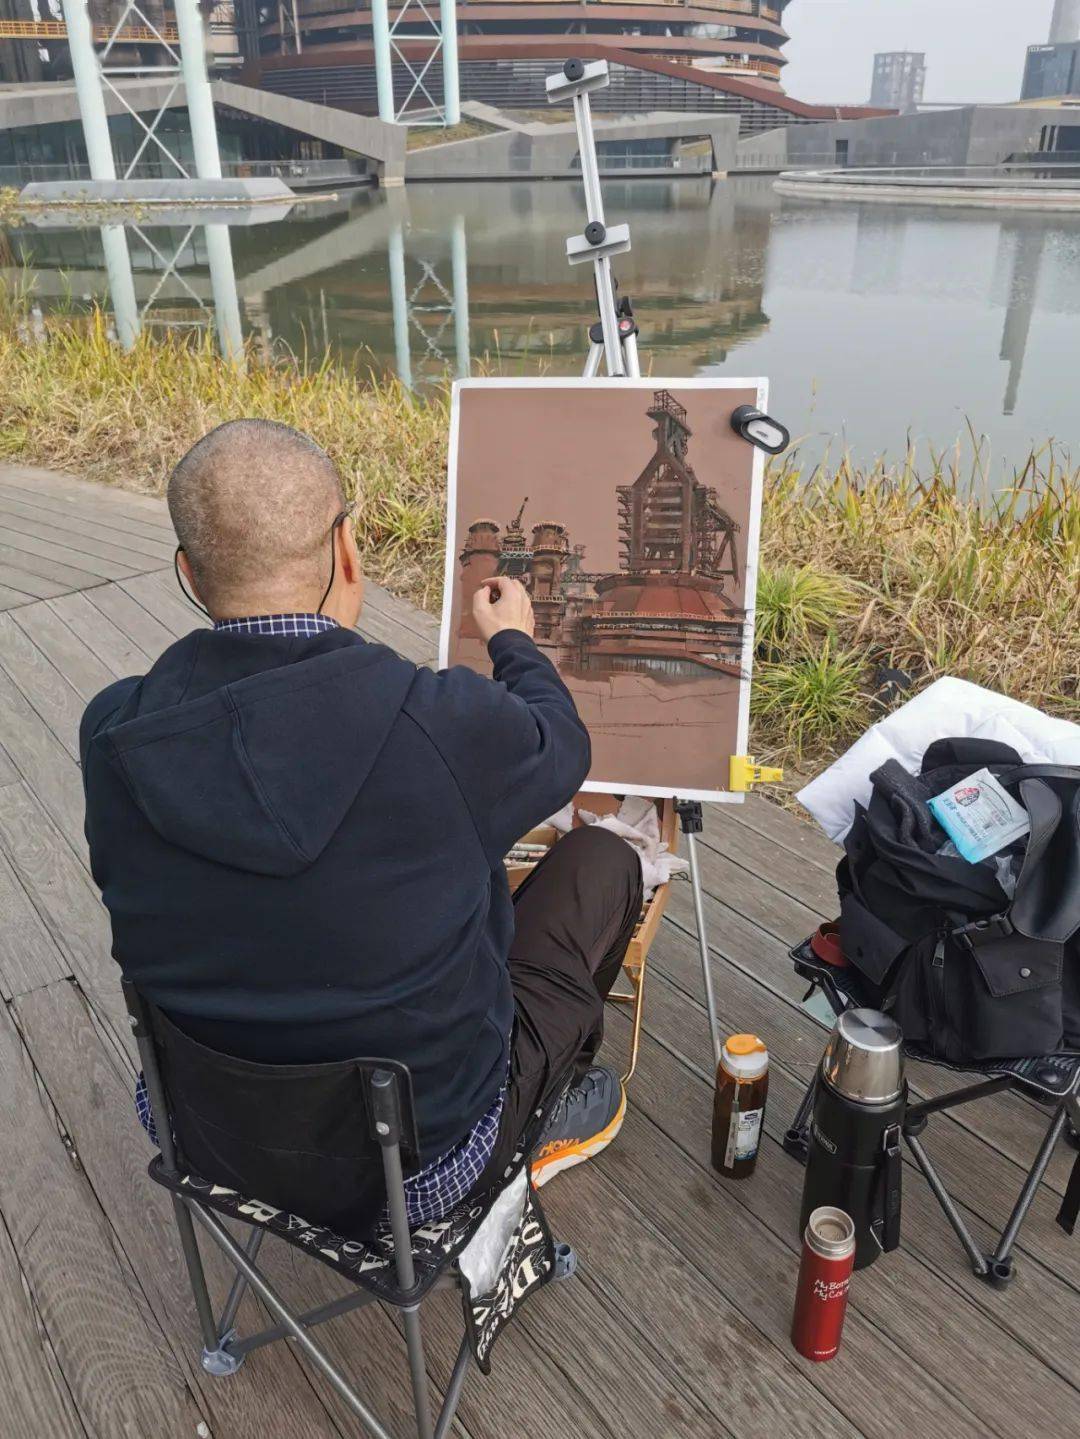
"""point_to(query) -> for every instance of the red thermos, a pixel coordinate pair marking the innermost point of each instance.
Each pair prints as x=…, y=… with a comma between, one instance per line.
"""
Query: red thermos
x=824, y=1276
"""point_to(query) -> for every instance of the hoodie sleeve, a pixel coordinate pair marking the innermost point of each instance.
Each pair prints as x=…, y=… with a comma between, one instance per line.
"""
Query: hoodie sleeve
x=99, y=711
x=514, y=743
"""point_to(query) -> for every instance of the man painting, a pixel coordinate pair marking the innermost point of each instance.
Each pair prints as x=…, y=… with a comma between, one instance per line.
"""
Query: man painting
x=299, y=835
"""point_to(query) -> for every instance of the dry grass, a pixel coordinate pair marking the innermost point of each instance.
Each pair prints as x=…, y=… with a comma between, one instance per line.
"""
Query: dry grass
x=861, y=570
x=74, y=400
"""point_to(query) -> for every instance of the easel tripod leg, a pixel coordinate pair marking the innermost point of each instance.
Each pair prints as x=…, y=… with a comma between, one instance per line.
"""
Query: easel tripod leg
x=690, y=817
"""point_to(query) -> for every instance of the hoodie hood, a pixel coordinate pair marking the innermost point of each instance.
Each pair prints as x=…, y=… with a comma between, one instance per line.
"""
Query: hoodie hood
x=248, y=771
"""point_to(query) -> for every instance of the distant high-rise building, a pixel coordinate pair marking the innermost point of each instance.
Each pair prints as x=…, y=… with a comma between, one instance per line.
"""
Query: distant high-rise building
x=1065, y=24
x=899, y=77
x=1053, y=69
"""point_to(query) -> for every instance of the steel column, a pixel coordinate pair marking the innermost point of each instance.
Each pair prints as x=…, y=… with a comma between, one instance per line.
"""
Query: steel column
x=451, y=88
x=200, y=102
x=459, y=284
x=399, y=300
x=223, y=286
x=384, y=71
x=86, y=69
x=121, y=284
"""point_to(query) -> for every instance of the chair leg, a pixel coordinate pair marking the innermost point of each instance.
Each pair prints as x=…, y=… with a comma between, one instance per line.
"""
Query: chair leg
x=238, y=1288
x=1000, y=1263
x=453, y=1390
x=192, y=1258
x=795, y=1141
x=952, y=1214
x=294, y=1328
x=414, y=1343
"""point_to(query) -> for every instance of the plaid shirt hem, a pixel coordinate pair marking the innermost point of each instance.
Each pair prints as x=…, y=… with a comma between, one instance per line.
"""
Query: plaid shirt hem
x=444, y=1183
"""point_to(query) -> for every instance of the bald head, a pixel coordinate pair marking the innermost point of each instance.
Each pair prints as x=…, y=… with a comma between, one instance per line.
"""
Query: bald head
x=252, y=504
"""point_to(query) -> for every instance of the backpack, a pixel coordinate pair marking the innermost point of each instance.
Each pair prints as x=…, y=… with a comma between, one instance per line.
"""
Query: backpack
x=969, y=973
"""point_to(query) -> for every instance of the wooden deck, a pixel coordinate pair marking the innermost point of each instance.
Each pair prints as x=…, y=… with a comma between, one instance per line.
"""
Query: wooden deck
x=678, y=1323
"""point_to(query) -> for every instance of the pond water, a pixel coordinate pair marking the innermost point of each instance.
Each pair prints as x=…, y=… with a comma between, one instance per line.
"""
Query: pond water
x=873, y=322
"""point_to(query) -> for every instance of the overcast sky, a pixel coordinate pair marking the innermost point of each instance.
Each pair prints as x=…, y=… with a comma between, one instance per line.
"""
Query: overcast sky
x=974, y=48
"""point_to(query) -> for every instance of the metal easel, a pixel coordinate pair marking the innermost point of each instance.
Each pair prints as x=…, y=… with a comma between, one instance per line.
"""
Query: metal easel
x=613, y=340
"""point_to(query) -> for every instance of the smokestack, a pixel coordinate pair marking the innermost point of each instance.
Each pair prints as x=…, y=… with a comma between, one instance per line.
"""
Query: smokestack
x=1065, y=26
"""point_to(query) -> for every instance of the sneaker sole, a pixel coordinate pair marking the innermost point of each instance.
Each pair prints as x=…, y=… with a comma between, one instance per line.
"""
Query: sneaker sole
x=545, y=1169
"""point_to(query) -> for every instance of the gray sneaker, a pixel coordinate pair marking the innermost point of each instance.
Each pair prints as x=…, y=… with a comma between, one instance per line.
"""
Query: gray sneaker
x=585, y=1121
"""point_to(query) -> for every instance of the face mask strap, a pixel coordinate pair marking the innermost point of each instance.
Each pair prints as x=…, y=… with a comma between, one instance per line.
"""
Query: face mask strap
x=338, y=522
x=184, y=589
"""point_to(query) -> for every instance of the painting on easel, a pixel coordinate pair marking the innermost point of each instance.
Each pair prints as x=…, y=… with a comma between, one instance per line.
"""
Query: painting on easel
x=630, y=511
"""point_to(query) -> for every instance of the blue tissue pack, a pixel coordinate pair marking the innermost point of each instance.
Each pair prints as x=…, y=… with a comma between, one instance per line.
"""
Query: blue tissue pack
x=979, y=816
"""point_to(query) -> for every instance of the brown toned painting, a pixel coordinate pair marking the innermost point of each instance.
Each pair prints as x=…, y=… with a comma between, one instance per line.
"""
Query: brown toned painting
x=629, y=509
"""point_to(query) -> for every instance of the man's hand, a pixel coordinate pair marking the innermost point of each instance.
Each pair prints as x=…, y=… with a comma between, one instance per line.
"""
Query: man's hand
x=502, y=604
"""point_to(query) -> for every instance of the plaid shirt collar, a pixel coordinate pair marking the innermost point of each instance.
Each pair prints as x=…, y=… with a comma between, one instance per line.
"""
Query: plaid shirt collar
x=293, y=625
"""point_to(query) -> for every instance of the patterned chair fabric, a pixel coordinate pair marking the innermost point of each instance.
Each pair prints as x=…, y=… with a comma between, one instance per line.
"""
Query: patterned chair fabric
x=528, y=1264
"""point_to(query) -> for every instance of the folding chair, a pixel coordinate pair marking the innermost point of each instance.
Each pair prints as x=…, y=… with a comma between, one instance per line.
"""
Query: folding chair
x=1050, y=1079
x=393, y=1267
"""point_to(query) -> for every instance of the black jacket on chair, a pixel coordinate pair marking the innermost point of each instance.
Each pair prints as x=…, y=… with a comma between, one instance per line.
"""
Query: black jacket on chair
x=300, y=841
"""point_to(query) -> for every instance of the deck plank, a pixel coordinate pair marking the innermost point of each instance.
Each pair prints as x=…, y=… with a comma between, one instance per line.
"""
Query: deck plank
x=1037, y=1299
x=12, y=599
x=783, y=828
x=677, y=1325
x=25, y=582
x=28, y=955
x=165, y=603
x=913, y=1308
x=37, y=1404
x=155, y=548
x=43, y=762
x=116, y=650
x=73, y=493
x=151, y=525
x=114, y=1357
x=132, y=619
x=67, y=903
x=47, y=567
x=54, y=637
x=269, y=1396
x=41, y=682
x=98, y=557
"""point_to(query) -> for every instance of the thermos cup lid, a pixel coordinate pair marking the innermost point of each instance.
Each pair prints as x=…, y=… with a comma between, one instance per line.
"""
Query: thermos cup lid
x=864, y=1059
x=745, y=1056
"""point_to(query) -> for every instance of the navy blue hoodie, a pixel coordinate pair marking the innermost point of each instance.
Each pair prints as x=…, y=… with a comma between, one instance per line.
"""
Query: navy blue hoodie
x=300, y=840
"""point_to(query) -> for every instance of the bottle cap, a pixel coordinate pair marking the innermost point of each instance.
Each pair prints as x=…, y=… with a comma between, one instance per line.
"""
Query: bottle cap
x=745, y=1056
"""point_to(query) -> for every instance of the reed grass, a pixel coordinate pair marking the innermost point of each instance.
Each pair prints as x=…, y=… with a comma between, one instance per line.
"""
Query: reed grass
x=863, y=570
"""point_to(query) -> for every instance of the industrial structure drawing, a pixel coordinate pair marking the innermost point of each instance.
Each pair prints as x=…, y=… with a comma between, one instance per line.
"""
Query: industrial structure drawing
x=671, y=610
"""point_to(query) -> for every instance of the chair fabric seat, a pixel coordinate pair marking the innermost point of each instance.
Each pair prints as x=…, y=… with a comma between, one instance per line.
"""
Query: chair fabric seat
x=529, y=1259
x=1051, y=1075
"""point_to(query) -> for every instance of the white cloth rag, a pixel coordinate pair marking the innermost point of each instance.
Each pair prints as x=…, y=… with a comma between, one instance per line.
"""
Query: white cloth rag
x=946, y=708
x=481, y=1260
x=638, y=823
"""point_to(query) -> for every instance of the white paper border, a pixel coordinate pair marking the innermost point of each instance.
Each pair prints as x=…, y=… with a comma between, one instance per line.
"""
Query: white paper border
x=753, y=536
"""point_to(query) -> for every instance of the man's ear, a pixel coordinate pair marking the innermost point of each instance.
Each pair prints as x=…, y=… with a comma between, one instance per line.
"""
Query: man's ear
x=349, y=554
x=185, y=569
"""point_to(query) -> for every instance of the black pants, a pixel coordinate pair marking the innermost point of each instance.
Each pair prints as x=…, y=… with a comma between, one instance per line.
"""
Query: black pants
x=573, y=918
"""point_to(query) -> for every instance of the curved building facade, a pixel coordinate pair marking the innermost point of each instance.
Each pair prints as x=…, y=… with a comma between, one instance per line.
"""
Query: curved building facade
x=722, y=56
x=741, y=38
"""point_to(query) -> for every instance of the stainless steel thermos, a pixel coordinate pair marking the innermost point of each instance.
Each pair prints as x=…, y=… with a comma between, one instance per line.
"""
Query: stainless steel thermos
x=854, y=1161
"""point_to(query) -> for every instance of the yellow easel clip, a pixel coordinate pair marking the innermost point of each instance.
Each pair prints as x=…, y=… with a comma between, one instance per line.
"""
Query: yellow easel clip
x=743, y=772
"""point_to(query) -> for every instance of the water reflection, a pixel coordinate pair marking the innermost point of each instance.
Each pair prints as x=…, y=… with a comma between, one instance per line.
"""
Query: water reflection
x=873, y=322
